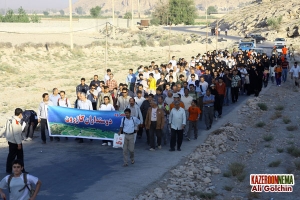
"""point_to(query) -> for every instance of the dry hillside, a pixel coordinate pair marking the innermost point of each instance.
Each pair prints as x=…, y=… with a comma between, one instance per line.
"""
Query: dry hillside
x=257, y=17
x=125, y=5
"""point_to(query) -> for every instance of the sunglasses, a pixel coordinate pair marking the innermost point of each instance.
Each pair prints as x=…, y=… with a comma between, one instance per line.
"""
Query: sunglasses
x=16, y=166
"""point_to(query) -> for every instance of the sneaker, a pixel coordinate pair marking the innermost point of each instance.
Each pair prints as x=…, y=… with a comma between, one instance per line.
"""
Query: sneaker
x=159, y=147
x=28, y=139
x=151, y=149
x=109, y=143
x=104, y=144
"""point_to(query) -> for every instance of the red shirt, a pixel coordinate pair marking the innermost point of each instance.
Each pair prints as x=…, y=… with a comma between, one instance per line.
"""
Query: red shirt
x=194, y=112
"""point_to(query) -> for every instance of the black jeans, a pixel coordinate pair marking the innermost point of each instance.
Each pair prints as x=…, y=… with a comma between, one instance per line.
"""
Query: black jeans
x=220, y=106
x=234, y=94
x=44, y=125
x=12, y=154
x=154, y=133
x=176, y=137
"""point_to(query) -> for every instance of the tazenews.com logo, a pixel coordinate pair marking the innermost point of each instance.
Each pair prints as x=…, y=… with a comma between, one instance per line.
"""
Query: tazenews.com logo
x=272, y=182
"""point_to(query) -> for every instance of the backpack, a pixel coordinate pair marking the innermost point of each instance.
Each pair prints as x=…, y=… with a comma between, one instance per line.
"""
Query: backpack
x=8, y=128
x=124, y=121
x=31, y=191
x=60, y=99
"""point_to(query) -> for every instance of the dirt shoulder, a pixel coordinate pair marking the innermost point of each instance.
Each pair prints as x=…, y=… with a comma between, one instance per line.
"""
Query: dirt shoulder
x=250, y=141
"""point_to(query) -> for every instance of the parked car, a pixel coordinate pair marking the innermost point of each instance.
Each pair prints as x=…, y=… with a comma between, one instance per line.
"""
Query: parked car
x=258, y=38
x=279, y=41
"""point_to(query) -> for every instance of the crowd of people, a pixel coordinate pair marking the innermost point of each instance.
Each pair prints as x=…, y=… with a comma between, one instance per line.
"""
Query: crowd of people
x=167, y=101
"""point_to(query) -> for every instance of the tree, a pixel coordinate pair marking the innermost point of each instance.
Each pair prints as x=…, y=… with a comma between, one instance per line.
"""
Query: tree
x=10, y=16
x=79, y=10
x=176, y=12
x=95, y=12
x=46, y=13
x=22, y=16
x=127, y=15
x=35, y=18
x=62, y=13
x=211, y=10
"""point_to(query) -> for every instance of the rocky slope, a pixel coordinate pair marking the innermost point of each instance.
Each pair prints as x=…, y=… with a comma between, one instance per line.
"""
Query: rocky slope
x=256, y=18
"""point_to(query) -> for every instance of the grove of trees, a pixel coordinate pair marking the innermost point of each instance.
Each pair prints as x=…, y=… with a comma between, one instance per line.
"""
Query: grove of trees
x=95, y=12
x=20, y=17
x=175, y=12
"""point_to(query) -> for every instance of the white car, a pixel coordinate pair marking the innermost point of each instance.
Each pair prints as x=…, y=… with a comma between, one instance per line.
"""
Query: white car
x=279, y=48
x=279, y=41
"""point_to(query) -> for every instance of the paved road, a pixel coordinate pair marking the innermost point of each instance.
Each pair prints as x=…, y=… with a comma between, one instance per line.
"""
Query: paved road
x=89, y=171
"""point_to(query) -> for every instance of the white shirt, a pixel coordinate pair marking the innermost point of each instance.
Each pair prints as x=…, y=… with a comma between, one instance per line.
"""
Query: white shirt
x=295, y=71
x=243, y=72
x=146, y=75
x=174, y=62
x=106, y=78
x=54, y=99
x=129, y=124
x=204, y=86
x=156, y=76
x=177, y=118
x=153, y=114
x=85, y=105
x=64, y=102
x=139, y=101
x=187, y=101
x=107, y=107
x=169, y=100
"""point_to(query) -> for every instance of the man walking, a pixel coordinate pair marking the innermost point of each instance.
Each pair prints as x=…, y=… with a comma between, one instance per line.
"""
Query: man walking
x=130, y=80
x=208, y=108
x=128, y=127
x=177, y=121
x=155, y=121
x=14, y=139
x=42, y=116
x=285, y=67
x=235, y=85
x=295, y=73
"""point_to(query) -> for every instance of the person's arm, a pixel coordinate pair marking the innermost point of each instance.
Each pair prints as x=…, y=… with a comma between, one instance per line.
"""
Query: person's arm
x=121, y=127
x=184, y=119
x=37, y=189
x=2, y=194
x=16, y=134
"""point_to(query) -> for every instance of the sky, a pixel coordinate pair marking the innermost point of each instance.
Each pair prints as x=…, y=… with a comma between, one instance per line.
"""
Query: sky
x=35, y=4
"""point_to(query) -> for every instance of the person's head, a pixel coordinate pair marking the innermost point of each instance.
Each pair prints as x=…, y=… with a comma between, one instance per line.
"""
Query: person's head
x=162, y=76
x=194, y=103
x=145, y=69
x=108, y=71
x=125, y=92
x=106, y=89
x=82, y=96
x=192, y=87
x=185, y=84
x=95, y=77
x=45, y=97
x=177, y=104
x=202, y=79
x=193, y=77
x=153, y=104
x=127, y=112
x=220, y=80
x=55, y=91
x=176, y=97
x=170, y=93
x=139, y=93
x=151, y=75
x=130, y=71
x=234, y=72
x=178, y=86
x=186, y=92
x=82, y=81
x=160, y=100
x=101, y=83
x=93, y=88
x=18, y=113
x=141, y=76
x=131, y=102
x=17, y=166
x=173, y=57
x=106, y=100
x=158, y=90
x=168, y=86
x=62, y=94
x=111, y=76
x=295, y=64
x=150, y=97
x=170, y=79
x=208, y=92
x=140, y=87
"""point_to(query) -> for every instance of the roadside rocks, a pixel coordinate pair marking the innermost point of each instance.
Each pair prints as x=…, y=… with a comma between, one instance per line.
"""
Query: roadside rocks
x=196, y=173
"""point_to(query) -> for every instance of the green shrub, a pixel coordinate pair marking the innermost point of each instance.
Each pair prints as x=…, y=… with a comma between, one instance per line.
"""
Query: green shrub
x=236, y=168
x=227, y=187
x=279, y=107
x=260, y=124
x=286, y=120
x=274, y=163
x=291, y=128
x=262, y=106
x=268, y=137
x=280, y=150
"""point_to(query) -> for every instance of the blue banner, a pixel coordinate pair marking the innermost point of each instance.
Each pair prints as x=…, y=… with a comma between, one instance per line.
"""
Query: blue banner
x=91, y=124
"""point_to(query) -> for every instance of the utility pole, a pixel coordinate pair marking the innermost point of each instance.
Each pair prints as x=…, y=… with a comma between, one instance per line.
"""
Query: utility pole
x=206, y=26
x=71, y=24
x=217, y=35
x=131, y=14
x=170, y=41
x=139, y=14
x=106, y=52
x=113, y=18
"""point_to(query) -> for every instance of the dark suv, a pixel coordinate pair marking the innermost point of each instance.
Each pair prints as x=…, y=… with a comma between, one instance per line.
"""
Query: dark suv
x=258, y=38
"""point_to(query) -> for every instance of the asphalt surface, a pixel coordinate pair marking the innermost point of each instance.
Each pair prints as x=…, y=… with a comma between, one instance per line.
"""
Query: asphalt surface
x=89, y=171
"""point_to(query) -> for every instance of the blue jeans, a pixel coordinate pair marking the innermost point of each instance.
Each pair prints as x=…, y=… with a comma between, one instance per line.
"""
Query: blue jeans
x=227, y=95
x=284, y=74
